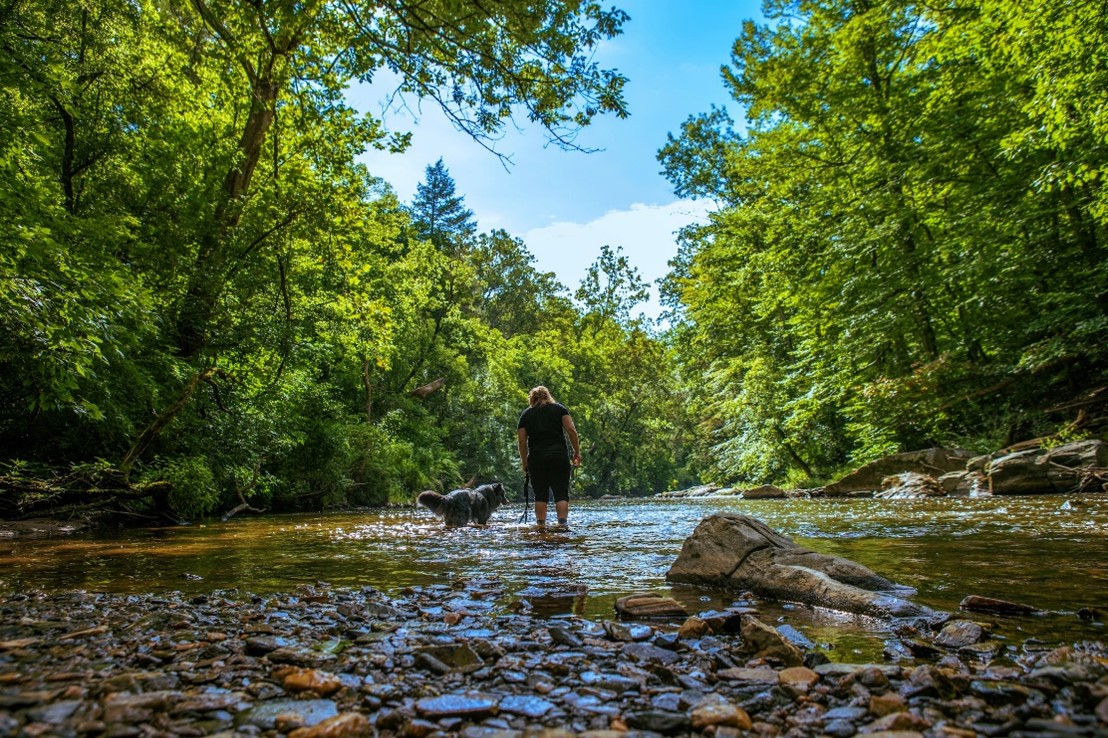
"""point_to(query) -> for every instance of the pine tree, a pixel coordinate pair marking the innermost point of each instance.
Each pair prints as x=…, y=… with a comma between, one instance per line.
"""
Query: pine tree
x=439, y=215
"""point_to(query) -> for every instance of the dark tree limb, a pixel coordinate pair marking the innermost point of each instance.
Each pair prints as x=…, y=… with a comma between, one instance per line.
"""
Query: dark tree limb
x=428, y=389
x=147, y=436
x=241, y=492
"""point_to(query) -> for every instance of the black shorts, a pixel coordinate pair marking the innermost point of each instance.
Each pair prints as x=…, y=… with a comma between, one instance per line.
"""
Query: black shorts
x=549, y=474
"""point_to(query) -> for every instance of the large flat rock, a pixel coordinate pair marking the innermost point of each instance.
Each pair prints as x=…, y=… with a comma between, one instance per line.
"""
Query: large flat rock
x=742, y=553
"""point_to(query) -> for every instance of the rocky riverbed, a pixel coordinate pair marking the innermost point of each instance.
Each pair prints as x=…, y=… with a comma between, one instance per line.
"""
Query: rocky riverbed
x=441, y=661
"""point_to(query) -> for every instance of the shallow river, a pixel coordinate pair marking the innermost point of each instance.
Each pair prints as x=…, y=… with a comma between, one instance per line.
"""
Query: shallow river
x=1050, y=552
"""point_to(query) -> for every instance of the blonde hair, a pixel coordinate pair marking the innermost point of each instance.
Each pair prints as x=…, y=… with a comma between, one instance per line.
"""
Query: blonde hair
x=540, y=396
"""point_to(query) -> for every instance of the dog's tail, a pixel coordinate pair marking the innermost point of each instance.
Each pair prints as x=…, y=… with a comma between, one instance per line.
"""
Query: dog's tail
x=433, y=501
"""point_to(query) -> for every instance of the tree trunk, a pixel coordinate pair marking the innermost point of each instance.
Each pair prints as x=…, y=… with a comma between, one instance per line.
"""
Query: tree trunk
x=209, y=274
x=147, y=437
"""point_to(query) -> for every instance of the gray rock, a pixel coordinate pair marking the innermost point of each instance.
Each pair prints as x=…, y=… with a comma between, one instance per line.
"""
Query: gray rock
x=765, y=492
x=55, y=712
x=867, y=479
x=649, y=605
x=264, y=715
x=1038, y=471
x=609, y=682
x=909, y=486
x=964, y=484
x=959, y=633
x=762, y=641
x=565, y=637
x=839, y=728
x=838, y=669
x=846, y=712
x=976, y=603
x=795, y=637
x=471, y=705
x=741, y=553
x=659, y=721
x=526, y=705
x=640, y=653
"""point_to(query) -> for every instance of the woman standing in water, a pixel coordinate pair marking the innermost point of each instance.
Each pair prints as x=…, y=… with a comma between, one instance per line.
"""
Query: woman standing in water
x=542, y=431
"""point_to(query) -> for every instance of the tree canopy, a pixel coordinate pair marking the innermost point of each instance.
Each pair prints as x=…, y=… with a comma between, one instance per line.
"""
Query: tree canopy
x=910, y=244
x=208, y=302
x=204, y=290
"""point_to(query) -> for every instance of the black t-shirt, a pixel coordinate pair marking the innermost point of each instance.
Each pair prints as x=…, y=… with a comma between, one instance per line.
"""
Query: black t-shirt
x=545, y=436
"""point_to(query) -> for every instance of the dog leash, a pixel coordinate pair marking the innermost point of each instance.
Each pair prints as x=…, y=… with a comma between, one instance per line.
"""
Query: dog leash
x=526, y=503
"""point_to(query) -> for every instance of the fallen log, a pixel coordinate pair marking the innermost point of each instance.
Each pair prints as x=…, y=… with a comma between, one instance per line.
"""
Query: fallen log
x=78, y=493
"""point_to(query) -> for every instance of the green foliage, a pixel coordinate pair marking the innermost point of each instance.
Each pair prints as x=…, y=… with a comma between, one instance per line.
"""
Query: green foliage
x=200, y=282
x=195, y=491
x=910, y=245
x=199, y=277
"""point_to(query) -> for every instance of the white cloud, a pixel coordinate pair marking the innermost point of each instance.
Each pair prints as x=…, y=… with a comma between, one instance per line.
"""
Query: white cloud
x=647, y=234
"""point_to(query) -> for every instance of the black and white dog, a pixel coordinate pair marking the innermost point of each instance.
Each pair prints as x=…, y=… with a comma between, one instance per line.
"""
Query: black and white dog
x=464, y=506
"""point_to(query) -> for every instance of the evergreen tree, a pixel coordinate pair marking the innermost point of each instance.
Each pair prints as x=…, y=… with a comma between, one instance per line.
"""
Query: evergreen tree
x=438, y=214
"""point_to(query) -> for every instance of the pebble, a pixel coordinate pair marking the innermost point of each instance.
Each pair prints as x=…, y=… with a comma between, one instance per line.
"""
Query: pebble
x=326, y=662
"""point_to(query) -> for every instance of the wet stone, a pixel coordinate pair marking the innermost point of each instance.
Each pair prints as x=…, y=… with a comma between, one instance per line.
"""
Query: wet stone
x=670, y=702
x=649, y=605
x=346, y=725
x=839, y=728
x=590, y=703
x=800, y=678
x=640, y=653
x=485, y=731
x=669, y=641
x=795, y=637
x=299, y=657
x=715, y=710
x=563, y=636
x=694, y=627
x=658, y=721
x=136, y=708
x=308, y=712
x=982, y=652
x=54, y=713
x=764, y=676
x=471, y=705
x=886, y=704
x=1000, y=693
x=263, y=644
x=610, y=682
x=849, y=713
x=959, y=633
x=526, y=705
x=312, y=680
x=618, y=631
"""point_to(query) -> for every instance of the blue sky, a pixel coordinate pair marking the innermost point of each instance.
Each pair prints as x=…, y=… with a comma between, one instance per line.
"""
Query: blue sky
x=565, y=205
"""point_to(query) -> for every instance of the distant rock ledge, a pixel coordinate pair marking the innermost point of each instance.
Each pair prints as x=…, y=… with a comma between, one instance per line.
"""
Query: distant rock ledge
x=1078, y=467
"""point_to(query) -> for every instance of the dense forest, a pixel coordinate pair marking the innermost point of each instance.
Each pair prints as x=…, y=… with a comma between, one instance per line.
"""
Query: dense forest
x=208, y=303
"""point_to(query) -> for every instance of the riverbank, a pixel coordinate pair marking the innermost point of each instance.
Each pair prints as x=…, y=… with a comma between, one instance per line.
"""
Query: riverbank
x=433, y=661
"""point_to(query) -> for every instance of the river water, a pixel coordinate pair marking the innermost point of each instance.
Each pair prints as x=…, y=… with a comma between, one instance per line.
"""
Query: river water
x=1050, y=552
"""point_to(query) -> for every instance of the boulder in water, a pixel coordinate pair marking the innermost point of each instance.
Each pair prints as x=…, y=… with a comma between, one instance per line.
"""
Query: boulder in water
x=867, y=479
x=910, y=486
x=765, y=492
x=964, y=484
x=1067, y=468
x=742, y=553
x=649, y=605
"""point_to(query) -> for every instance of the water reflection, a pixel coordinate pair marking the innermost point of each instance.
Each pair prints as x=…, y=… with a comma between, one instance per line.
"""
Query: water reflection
x=1045, y=551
